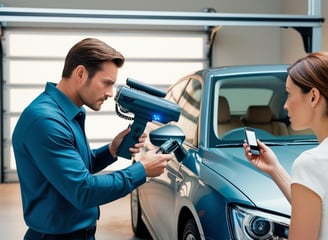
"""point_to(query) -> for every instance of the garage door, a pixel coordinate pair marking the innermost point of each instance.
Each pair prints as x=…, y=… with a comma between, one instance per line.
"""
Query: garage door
x=33, y=57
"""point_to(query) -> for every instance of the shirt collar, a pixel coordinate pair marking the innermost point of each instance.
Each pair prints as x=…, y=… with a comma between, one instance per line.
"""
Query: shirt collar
x=66, y=104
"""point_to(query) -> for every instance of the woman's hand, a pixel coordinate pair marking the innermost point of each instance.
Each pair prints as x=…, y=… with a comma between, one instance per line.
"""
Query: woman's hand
x=265, y=161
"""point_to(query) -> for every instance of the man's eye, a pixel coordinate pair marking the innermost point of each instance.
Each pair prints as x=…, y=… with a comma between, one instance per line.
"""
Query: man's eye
x=108, y=83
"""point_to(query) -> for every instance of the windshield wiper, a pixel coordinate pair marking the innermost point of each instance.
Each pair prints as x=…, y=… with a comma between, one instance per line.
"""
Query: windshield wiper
x=303, y=141
x=225, y=145
x=287, y=143
x=240, y=144
x=275, y=143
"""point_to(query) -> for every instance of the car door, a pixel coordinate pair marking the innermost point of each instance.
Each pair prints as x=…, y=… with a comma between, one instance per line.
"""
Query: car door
x=162, y=191
x=158, y=196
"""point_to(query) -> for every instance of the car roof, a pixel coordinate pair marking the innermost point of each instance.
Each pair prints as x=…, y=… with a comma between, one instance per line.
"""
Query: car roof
x=242, y=69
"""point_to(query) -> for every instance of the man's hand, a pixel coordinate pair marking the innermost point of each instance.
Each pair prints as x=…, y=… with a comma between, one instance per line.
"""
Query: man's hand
x=113, y=147
x=154, y=163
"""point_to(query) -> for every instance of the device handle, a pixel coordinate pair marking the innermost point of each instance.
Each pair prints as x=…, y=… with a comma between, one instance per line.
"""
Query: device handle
x=137, y=128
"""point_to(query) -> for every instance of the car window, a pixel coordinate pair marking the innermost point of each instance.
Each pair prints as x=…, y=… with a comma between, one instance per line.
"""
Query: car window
x=187, y=94
x=235, y=101
x=240, y=98
x=253, y=101
x=175, y=92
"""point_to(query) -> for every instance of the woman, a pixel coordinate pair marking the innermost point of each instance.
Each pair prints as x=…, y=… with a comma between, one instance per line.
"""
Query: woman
x=307, y=188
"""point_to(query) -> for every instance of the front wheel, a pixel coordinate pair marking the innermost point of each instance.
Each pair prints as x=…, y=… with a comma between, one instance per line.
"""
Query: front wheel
x=190, y=231
x=138, y=226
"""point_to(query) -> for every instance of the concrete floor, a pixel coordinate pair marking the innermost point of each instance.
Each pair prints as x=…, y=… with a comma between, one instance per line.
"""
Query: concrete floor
x=114, y=223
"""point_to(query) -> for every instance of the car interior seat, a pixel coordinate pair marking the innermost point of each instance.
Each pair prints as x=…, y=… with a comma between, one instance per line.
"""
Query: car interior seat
x=261, y=117
x=225, y=120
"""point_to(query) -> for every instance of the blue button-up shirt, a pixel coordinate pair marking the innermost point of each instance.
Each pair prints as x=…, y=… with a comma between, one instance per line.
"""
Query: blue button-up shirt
x=56, y=167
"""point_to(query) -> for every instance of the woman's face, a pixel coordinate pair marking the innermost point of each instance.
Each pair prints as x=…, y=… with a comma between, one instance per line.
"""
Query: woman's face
x=298, y=105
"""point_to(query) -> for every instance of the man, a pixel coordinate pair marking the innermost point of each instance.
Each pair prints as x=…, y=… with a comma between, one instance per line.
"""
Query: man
x=60, y=192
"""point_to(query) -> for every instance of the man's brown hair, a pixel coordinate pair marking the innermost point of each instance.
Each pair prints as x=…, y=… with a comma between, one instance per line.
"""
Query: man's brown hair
x=91, y=53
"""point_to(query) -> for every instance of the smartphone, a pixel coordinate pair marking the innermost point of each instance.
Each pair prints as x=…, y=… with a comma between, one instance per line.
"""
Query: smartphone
x=252, y=141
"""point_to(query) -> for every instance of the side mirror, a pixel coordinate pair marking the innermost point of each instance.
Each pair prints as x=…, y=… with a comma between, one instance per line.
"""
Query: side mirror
x=160, y=135
x=167, y=135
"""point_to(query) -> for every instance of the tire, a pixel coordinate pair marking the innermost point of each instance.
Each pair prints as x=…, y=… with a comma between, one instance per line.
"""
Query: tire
x=190, y=231
x=138, y=226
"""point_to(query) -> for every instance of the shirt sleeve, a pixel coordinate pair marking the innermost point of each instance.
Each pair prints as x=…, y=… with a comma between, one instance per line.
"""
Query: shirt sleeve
x=51, y=145
x=101, y=158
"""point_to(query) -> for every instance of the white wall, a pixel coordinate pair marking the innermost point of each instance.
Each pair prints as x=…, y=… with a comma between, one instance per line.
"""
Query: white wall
x=260, y=6
x=233, y=45
x=292, y=45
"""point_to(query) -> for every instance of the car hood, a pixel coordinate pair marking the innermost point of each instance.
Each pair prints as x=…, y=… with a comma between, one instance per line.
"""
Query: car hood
x=256, y=185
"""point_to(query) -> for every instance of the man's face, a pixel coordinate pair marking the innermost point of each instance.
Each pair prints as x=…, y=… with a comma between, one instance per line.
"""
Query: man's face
x=93, y=92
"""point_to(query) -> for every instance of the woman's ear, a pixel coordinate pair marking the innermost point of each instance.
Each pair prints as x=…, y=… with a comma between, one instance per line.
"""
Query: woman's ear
x=315, y=96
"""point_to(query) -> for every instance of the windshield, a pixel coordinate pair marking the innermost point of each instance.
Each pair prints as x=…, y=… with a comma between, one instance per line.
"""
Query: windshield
x=255, y=101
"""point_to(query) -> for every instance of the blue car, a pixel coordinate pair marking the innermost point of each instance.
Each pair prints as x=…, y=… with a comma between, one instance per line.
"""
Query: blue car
x=209, y=190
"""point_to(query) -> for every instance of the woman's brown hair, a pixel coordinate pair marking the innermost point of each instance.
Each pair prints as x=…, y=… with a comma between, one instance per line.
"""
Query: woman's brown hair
x=310, y=72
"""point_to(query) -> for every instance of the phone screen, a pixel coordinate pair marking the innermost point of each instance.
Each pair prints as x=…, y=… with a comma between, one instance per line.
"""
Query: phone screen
x=251, y=140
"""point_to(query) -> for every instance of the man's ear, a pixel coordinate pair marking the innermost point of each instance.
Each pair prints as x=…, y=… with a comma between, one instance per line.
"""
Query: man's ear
x=80, y=73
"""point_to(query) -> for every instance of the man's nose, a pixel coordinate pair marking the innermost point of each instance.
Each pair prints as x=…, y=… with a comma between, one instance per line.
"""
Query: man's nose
x=109, y=92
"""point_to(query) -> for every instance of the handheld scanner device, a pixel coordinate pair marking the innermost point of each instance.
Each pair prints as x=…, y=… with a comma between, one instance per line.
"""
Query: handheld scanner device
x=147, y=104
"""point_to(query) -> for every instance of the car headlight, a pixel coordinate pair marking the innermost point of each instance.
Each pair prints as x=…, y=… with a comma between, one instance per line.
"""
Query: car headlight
x=248, y=224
